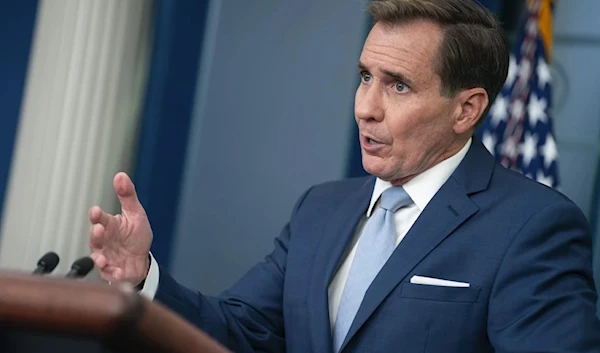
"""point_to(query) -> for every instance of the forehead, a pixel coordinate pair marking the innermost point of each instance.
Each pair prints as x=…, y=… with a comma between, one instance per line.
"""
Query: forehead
x=412, y=46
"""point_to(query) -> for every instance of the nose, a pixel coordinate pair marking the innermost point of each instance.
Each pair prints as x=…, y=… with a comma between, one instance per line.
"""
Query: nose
x=368, y=103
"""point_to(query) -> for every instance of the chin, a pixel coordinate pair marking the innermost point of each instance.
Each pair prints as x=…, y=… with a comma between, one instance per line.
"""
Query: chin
x=376, y=169
x=380, y=169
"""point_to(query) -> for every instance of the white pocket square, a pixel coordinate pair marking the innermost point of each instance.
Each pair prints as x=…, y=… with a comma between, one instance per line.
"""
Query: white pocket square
x=437, y=282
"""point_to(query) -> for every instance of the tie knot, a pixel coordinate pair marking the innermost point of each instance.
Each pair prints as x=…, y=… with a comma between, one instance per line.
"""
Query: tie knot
x=393, y=198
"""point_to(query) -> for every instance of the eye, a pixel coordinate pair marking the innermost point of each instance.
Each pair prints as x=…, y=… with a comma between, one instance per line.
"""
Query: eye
x=401, y=87
x=365, y=77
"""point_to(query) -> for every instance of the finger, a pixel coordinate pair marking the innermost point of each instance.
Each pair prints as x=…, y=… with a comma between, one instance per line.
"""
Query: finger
x=112, y=274
x=99, y=260
x=106, y=275
x=127, y=196
x=96, y=215
x=96, y=241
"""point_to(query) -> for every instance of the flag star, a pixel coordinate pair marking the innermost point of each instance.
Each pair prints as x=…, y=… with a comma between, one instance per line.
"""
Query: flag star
x=517, y=109
x=549, y=151
x=543, y=72
x=499, y=110
x=512, y=71
x=528, y=149
x=489, y=141
x=509, y=148
x=537, y=110
x=546, y=180
x=524, y=69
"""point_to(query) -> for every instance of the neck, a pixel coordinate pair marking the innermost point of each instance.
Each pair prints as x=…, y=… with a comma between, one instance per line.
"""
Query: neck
x=450, y=151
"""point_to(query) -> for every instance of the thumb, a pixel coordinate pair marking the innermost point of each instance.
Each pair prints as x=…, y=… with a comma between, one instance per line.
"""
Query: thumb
x=127, y=196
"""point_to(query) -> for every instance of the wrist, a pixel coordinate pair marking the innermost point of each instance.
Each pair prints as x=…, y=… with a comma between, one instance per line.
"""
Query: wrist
x=140, y=285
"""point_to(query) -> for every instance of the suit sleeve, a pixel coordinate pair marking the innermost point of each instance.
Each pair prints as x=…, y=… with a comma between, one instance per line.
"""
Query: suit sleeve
x=543, y=298
x=249, y=316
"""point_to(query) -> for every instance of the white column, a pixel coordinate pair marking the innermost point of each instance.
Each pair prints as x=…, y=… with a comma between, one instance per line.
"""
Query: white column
x=78, y=125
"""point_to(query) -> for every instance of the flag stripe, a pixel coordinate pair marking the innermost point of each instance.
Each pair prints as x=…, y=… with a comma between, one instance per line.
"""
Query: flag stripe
x=518, y=130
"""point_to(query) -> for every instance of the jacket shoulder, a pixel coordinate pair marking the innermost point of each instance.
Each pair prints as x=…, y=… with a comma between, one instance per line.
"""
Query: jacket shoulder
x=340, y=188
x=329, y=195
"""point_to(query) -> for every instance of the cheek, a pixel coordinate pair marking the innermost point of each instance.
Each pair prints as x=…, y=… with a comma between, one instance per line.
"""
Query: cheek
x=405, y=127
x=418, y=131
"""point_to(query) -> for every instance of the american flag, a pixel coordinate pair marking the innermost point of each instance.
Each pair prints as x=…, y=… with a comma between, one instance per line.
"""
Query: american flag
x=518, y=130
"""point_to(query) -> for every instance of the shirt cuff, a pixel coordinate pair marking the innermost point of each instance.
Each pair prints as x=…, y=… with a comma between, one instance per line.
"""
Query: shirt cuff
x=151, y=283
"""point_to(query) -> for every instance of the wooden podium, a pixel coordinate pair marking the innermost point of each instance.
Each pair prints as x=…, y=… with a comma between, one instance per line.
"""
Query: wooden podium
x=46, y=314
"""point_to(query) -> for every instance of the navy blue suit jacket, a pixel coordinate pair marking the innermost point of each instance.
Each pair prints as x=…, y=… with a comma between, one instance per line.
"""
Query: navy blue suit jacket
x=524, y=248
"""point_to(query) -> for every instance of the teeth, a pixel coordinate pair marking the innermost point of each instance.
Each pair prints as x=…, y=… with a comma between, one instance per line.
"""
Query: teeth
x=373, y=142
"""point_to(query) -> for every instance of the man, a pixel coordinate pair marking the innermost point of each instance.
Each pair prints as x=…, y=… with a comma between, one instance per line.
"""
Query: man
x=440, y=250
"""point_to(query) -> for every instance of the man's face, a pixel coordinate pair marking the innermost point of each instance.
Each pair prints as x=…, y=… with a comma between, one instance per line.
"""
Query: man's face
x=405, y=124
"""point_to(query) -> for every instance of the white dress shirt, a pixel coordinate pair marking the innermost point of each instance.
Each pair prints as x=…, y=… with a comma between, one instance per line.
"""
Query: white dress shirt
x=421, y=190
x=151, y=284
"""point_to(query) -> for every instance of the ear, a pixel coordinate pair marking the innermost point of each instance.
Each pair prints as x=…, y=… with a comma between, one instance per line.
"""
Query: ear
x=473, y=103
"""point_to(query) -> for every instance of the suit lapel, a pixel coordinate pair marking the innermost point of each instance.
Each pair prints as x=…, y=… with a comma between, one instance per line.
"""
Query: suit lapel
x=450, y=207
x=335, y=238
x=443, y=214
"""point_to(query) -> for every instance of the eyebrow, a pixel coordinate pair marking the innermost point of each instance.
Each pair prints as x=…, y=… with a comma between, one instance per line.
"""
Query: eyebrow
x=395, y=75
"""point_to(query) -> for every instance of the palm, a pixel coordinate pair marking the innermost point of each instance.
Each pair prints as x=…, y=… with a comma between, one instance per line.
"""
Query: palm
x=120, y=243
x=127, y=240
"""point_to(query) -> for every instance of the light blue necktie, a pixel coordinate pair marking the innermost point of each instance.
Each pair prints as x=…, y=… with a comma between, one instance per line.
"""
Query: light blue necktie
x=375, y=245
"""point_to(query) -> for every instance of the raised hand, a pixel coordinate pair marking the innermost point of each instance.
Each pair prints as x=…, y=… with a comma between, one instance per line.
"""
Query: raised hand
x=120, y=244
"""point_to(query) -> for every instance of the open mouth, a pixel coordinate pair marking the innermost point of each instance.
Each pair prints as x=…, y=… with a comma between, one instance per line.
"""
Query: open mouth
x=371, y=144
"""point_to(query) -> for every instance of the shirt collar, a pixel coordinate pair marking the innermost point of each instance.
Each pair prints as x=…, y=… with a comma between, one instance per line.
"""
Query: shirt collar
x=424, y=186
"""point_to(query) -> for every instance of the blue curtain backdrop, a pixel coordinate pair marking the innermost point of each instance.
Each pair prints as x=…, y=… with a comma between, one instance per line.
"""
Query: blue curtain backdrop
x=178, y=36
x=595, y=214
x=17, y=22
x=354, y=164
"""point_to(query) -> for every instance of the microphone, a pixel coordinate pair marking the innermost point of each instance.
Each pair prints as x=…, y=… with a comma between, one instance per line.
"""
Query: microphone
x=46, y=263
x=80, y=268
